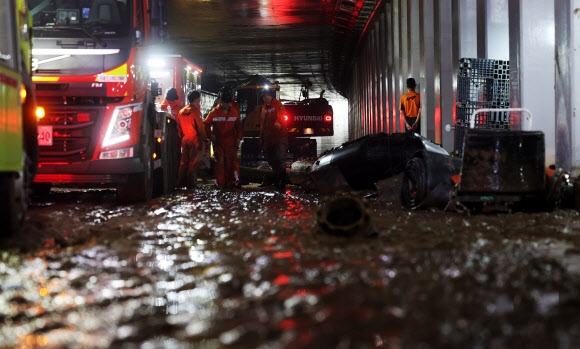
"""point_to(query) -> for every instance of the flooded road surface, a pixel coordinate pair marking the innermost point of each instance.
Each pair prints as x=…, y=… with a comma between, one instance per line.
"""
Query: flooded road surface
x=249, y=269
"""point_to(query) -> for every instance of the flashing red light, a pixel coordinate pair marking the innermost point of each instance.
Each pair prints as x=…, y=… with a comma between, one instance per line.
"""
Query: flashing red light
x=328, y=118
x=288, y=324
x=286, y=118
x=282, y=280
x=83, y=117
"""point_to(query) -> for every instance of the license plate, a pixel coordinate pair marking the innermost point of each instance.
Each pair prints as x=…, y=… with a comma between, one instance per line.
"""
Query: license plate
x=44, y=135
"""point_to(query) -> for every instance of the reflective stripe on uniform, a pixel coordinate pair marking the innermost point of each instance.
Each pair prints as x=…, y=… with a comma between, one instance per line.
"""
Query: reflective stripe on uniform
x=223, y=118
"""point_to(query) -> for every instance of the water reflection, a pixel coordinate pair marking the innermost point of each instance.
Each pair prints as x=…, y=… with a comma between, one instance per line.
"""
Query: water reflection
x=248, y=269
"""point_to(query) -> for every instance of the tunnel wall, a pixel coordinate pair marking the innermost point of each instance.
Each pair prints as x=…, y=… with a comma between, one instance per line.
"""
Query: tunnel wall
x=409, y=38
x=425, y=39
x=575, y=88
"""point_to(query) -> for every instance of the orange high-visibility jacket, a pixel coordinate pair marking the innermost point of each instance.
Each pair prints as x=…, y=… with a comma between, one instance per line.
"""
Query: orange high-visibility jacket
x=190, y=123
x=174, y=105
x=225, y=126
x=269, y=134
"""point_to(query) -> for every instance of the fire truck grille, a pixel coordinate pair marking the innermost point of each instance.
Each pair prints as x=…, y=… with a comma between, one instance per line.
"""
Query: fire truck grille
x=65, y=150
x=73, y=135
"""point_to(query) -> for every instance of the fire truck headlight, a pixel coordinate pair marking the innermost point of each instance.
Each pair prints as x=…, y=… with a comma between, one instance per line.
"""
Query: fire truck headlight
x=119, y=129
x=39, y=112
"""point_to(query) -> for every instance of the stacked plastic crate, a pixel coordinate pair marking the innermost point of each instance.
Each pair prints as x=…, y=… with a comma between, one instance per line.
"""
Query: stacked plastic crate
x=481, y=83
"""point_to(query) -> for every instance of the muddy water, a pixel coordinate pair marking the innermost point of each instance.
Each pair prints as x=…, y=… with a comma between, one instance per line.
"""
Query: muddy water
x=249, y=269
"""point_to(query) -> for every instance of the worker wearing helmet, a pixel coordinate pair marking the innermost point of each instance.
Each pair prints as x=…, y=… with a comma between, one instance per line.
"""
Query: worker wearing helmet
x=192, y=133
x=171, y=102
x=224, y=126
x=274, y=136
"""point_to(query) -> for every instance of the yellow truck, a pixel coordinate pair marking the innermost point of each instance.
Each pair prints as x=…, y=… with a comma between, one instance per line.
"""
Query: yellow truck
x=18, y=123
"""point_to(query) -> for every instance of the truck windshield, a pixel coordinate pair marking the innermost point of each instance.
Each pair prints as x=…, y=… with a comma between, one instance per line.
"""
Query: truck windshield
x=100, y=18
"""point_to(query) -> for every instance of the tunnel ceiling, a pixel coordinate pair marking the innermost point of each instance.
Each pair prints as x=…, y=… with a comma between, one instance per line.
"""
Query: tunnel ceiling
x=290, y=41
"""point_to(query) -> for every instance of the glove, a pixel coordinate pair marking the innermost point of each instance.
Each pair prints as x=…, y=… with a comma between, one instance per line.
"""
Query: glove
x=277, y=125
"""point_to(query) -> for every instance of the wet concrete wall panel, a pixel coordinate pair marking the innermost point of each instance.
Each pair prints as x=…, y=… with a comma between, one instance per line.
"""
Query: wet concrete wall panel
x=497, y=27
x=428, y=100
x=447, y=73
x=468, y=28
x=537, y=68
x=563, y=85
x=576, y=86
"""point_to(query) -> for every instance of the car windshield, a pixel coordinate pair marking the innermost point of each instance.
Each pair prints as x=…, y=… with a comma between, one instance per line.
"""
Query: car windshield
x=77, y=18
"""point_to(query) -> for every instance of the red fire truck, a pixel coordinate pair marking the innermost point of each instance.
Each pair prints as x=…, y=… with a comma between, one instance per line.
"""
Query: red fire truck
x=91, y=74
x=173, y=70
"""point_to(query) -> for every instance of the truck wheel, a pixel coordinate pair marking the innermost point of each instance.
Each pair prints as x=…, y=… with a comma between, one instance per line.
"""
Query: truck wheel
x=139, y=186
x=13, y=203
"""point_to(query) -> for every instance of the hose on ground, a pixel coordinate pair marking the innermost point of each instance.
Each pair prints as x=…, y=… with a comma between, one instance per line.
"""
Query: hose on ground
x=345, y=216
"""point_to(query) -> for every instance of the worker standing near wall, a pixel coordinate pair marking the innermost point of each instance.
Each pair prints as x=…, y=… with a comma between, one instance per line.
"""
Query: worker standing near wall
x=411, y=108
x=192, y=134
x=274, y=137
x=224, y=127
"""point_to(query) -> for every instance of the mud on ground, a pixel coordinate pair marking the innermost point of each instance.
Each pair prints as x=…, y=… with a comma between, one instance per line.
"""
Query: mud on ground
x=249, y=268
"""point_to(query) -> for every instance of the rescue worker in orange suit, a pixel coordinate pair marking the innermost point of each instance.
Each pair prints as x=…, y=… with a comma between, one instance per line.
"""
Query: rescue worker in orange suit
x=236, y=106
x=171, y=102
x=192, y=133
x=274, y=137
x=224, y=127
x=411, y=108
